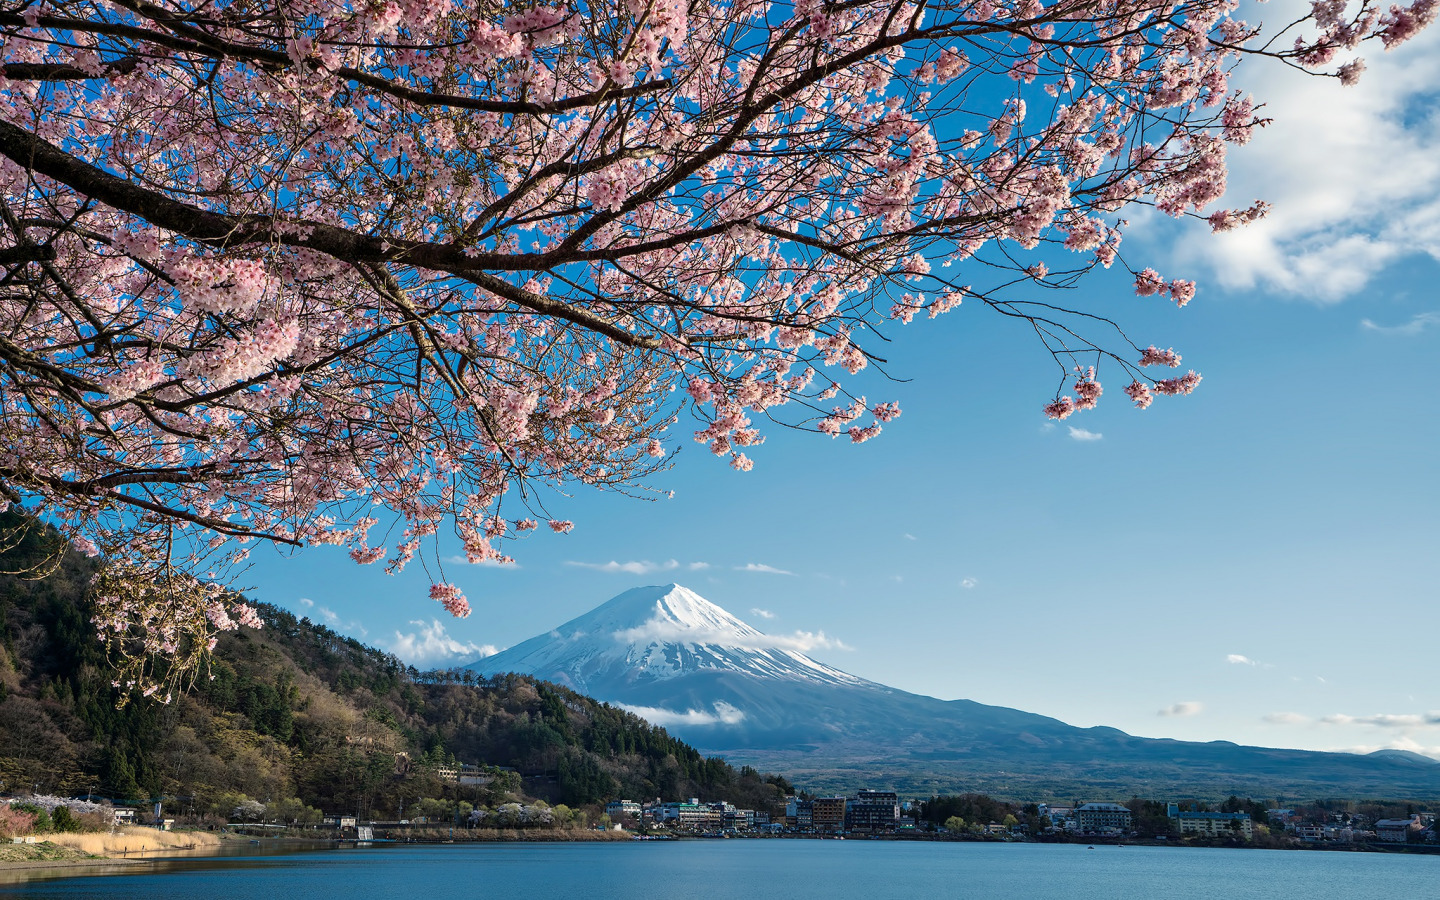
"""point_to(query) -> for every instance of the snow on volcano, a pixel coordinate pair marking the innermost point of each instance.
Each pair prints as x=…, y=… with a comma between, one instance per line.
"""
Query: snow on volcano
x=658, y=633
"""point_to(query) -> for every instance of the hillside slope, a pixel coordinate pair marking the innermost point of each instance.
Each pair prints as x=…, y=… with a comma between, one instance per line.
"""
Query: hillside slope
x=298, y=711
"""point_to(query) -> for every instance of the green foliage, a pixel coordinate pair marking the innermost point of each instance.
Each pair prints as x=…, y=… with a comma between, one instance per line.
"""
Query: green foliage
x=976, y=809
x=312, y=720
x=43, y=822
x=63, y=820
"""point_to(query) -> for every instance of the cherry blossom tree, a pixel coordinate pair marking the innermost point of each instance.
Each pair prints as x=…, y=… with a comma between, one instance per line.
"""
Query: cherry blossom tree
x=269, y=264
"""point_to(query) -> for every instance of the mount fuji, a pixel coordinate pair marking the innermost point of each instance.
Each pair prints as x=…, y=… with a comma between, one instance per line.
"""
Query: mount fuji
x=678, y=660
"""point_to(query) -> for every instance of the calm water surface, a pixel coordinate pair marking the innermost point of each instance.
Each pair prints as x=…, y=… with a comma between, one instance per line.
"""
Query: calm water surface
x=790, y=869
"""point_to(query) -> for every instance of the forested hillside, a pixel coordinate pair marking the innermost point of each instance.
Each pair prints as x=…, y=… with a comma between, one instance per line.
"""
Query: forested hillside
x=296, y=712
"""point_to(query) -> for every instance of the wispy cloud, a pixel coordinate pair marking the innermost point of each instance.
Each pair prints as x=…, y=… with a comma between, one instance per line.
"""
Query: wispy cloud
x=909, y=537
x=306, y=602
x=969, y=583
x=637, y=566
x=1235, y=659
x=332, y=618
x=763, y=569
x=722, y=714
x=762, y=613
x=667, y=630
x=1081, y=434
x=1285, y=718
x=1418, y=323
x=458, y=560
x=430, y=644
x=1183, y=708
x=1404, y=720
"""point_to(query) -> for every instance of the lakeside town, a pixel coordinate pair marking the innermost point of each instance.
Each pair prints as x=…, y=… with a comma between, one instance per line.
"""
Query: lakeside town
x=873, y=814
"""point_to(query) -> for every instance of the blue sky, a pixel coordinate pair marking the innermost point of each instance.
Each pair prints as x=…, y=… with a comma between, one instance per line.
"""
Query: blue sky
x=1255, y=562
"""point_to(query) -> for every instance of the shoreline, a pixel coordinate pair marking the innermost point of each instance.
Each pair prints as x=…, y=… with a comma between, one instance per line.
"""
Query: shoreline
x=52, y=856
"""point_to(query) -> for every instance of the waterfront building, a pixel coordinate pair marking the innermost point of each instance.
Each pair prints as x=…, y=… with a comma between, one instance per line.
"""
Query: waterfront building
x=872, y=811
x=1397, y=830
x=615, y=809
x=828, y=813
x=1102, y=818
x=1214, y=824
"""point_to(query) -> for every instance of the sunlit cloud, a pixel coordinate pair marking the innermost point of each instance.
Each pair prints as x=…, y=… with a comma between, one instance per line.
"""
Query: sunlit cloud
x=1235, y=659
x=969, y=583
x=762, y=613
x=722, y=714
x=430, y=644
x=1081, y=434
x=1352, y=173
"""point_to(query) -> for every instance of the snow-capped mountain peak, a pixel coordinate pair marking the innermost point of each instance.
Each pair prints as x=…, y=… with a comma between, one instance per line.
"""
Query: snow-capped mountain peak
x=657, y=633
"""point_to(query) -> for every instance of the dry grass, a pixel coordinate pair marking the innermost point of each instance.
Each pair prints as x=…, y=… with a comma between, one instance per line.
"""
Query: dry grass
x=127, y=841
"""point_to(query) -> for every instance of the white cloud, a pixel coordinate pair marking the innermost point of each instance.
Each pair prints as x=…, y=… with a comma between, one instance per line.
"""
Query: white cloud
x=667, y=630
x=333, y=619
x=762, y=613
x=909, y=537
x=1352, y=173
x=1237, y=660
x=458, y=560
x=1418, y=323
x=723, y=714
x=430, y=644
x=969, y=583
x=1184, y=708
x=306, y=602
x=1080, y=434
x=762, y=568
x=1406, y=720
x=1285, y=718
x=637, y=566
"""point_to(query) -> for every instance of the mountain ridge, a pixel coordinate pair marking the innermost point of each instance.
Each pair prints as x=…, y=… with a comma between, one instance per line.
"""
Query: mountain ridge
x=678, y=660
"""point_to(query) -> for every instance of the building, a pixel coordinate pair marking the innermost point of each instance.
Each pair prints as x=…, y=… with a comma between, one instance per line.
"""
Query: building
x=800, y=814
x=828, y=813
x=125, y=815
x=872, y=811
x=694, y=815
x=617, y=809
x=1102, y=818
x=1397, y=830
x=1214, y=824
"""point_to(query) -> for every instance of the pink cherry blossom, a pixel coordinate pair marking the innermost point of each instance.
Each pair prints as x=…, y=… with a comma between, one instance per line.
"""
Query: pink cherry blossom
x=450, y=598
x=271, y=268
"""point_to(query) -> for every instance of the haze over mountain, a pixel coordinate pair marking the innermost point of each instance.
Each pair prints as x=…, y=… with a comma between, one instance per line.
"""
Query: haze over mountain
x=680, y=661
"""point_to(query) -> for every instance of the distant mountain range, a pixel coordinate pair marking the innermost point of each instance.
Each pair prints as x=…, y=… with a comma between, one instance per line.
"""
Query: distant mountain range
x=675, y=658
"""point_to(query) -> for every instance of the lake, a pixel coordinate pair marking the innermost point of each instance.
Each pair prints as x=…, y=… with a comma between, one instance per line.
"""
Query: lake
x=789, y=869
